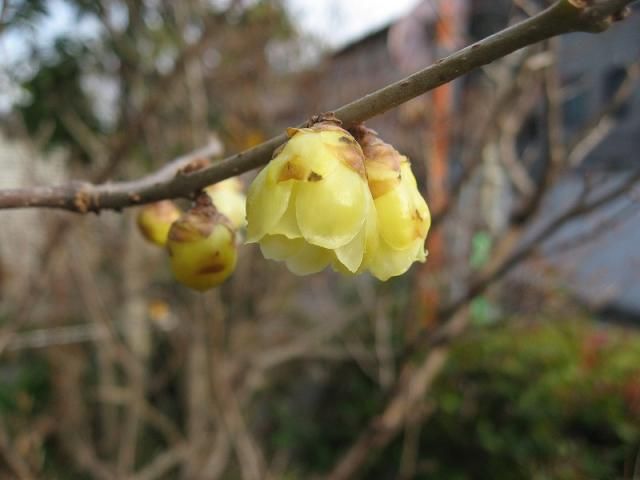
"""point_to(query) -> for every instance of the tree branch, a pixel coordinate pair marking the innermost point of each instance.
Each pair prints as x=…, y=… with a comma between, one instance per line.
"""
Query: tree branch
x=564, y=16
x=412, y=388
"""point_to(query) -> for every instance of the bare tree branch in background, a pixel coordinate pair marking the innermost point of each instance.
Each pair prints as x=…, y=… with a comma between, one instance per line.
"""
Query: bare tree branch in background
x=198, y=397
x=416, y=383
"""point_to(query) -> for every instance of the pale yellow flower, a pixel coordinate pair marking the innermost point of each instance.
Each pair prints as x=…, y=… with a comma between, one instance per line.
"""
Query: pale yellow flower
x=311, y=206
x=154, y=221
x=403, y=217
x=202, y=247
x=229, y=198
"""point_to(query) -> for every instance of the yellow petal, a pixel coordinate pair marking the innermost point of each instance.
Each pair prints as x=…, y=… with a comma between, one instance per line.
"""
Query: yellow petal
x=267, y=201
x=353, y=256
x=205, y=263
x=331, y=211
x=233, y=184
x=307, y=150
x=407, y=174
x=309, y=259
x=279, y=247
x=395, y=218
x=288, y=224
x=389, y=263
x=301, y=258
x=155, y=220
x=403, y=216
x=231, y=203
x=422, y=215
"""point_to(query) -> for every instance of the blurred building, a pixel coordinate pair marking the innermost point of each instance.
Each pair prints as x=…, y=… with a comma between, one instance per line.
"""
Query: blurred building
x=592, y=69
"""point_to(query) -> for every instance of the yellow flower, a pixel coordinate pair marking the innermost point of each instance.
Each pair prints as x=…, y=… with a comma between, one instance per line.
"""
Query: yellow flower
x=228, y=197
x=154, y=221
x=403, y=218
x=311, y=206
x=202, y=247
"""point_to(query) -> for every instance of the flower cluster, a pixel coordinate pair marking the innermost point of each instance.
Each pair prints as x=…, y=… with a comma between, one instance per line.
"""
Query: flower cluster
x=329, y=199
x=202, y=246
x=201, y=242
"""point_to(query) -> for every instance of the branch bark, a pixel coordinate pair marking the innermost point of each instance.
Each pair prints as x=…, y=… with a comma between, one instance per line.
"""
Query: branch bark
x=562, y=17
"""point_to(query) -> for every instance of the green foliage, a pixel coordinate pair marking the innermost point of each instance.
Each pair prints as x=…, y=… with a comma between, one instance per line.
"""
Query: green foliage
x=317, y=418
x=24, y=386
x=554, y=401
x=21, y=13
x=483, y=311
x=61, y=72
x=545, y=401
x=481, y=245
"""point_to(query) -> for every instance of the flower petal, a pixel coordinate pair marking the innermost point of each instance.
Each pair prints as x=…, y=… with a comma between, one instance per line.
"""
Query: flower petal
x=308, y=151
x=279, y=247
x=300, y=257
x=288, y=223
x=309, y=259
x=395, y=221
x=267, y=201
x=389, y=263
x=351, y=254
x=403, y=216
x=331, y=211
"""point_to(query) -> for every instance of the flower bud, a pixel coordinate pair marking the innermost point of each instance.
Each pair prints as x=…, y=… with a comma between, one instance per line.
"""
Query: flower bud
x=154, y=221
x=228, y=197
x=311, y=206
x=403, y=217
x=202, y=247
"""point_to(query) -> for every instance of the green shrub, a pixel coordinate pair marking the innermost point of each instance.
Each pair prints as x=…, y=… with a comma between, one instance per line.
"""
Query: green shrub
x=552, y=400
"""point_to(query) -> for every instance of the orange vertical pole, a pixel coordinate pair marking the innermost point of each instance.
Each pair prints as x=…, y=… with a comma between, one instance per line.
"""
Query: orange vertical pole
x=438, y=169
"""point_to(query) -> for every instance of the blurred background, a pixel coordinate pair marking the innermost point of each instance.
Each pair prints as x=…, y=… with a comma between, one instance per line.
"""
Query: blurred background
x=513, y=353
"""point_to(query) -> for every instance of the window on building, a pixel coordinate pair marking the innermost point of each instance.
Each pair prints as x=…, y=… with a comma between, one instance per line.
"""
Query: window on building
x=576, y=110
x=613, y=80
x=576, y=106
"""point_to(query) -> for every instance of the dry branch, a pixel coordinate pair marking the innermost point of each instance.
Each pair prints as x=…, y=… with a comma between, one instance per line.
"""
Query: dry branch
x=563, y=16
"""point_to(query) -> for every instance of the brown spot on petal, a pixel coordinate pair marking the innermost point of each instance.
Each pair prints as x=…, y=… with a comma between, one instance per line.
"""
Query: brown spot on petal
x=380, y=187
x=420, y=227
x=292, y=131
x=314, y=177
x=351, y=156
x=179, y=233
x=292, y=171
x=384, y=154
x=348, y=140
x=212, y=268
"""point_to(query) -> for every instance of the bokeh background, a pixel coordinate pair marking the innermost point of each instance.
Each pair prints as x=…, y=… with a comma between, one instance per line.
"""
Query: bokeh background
x=513, y=353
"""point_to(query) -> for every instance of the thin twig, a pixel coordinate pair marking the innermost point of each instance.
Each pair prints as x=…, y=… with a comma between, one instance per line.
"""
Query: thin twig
x=384, y=427
x=162, y=463
x=601, y=124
